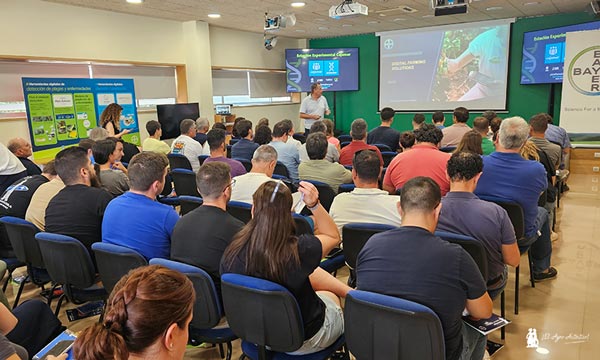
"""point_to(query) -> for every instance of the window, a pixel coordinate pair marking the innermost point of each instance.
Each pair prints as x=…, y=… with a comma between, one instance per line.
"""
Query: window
x=249, y=87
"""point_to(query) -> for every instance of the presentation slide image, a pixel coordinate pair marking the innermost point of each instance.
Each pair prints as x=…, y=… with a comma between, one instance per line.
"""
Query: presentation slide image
x=64, y=113
x=42, y=119
x=334, y=69
x=105, y=99
x=86, y=113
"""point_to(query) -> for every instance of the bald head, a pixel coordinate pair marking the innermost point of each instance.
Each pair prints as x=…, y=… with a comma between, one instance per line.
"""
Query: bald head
x=20, y=147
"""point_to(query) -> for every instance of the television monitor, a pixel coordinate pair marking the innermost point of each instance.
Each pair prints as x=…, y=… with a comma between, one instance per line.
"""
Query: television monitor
x=544, y=53
x=223, y=109
x=169, y=117
x=334, y=69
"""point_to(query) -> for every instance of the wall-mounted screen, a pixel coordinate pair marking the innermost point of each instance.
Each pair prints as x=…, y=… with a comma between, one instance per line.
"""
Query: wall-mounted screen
x=334, y=69
x=444, y=67
x=544, y=53
x=169, y=117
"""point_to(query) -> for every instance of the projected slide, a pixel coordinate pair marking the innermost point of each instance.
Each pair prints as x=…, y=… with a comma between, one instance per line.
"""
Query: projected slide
x=445, y=67
x=334, y=69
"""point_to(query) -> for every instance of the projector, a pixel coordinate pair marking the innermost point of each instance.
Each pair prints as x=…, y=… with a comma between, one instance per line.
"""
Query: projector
x=348, y=8
x=449, y=7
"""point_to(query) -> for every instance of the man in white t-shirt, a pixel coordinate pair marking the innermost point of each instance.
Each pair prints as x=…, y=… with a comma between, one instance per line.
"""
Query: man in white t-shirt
x=187, y=146
x=313, y=107
x=263, y=164
x=11, y=169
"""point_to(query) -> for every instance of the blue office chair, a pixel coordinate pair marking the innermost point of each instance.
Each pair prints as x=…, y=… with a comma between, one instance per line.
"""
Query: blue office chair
x=178, y=161
x=266, y=315
x=247, y=163
x=189, y=203
x=346, y=188
x=343, y=144
x=344, y=138
x=207, y=309
x=388, y=156
x=281, y=169
x=326, y=193
x=386, y=327
x=448, y=149
x=69, y=264
x=240, y=210
x=201, y=159
x=382, y=147
x=114, y=262
x=185, y=182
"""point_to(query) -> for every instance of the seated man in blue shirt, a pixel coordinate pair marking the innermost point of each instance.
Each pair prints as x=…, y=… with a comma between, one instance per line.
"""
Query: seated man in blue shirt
x=509, y=176
x=464, y=213
x=411, y=263
x=245, y=147
x=135, y=219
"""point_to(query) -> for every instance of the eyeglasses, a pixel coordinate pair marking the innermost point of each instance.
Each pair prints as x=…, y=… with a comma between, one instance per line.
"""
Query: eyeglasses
x=230, y=184
x=275, y=192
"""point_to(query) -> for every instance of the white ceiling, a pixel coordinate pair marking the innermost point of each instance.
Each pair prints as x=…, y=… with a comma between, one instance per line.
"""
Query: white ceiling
x=313, y=20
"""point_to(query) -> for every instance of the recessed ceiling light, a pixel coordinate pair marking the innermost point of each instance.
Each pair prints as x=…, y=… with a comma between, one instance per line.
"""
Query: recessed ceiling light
x=319, y=19
x=427, y=16
x=214, y=16
x=347, y=25
x=135, y=1
x=373, y=22
x=399, y=19
x=298, y=4
x=382, y=15
x=531, y=3
x=323, y=28
x=494, y=8
x=300, y=30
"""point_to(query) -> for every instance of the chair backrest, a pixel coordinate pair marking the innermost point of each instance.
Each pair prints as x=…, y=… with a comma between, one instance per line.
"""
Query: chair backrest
x=326, y=193
x=388, y=156
x=382, y=147
x=178, y=161
x=343, y=144
x=188, y=203
x=385, y=327
x=515, y=213
x=472, y=246
x=229, y=151
x=240, y=210
x=280, y=169
x=302, y=225
x=207, y=310
x=114, y=262
x=448, y=149
x=299, y=137
x=262, y=312
x=185, y=182
x=201, y=158
x=21, y=234
x=247, y=163
x=344, y=138
x=355, y=237
x=67, y=260
x=346, y=188
x=233, y=141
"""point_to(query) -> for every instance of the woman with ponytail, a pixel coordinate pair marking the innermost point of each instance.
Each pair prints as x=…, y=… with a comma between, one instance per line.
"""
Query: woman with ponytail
x=147, y=317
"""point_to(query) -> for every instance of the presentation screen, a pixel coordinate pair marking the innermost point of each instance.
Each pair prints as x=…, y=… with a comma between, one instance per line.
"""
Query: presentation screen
x=441, y=68
x=544, y=53
x=169, y=117
x=335, y=69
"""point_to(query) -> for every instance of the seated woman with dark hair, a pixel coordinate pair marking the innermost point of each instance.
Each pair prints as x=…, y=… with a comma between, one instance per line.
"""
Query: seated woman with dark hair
x=471, y=142
x=147, y=316
x=267, y=248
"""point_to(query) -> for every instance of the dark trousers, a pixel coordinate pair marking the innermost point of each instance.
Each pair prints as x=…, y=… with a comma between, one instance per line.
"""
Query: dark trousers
x=37, y=326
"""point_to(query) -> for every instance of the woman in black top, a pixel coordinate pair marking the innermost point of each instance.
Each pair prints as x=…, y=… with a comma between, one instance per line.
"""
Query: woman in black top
x=267, y=248
x=110, y=118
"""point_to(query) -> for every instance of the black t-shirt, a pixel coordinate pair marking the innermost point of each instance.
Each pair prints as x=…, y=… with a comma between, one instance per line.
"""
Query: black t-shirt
x=201, y=237
x=550, y=172
x=129, y=150
x=311, y=307
x=77, y=211
x=32, y=168
x=16, y=198
x=384, y=135
x=413, y=264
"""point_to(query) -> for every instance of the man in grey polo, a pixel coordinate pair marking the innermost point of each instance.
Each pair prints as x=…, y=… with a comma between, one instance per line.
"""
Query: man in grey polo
x=313, y=107
x=538, y=124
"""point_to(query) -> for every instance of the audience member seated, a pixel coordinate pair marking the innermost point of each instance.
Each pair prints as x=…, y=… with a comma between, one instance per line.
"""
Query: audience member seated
x=318, y=168
x=557, y=135
x=267, y=248
x=262, y=122
x=218, y=152
x=413, y=264
x=407, y=141
x=112, y=174
x=185, y=144
x=454, y=133
x=147, y=316
x=110, y=119
x=263, y=135
x=417, y=121
x=470, y=142
x=36, y=210
x=287, y=153
x=22, y=149
x=201, y=236
x=494, y=126
x=153, y=142
x=15, y=200
x=438, y=119
x=151, y=234
x=219, y=126
x=263, y=165
x=98, y=134
x=508, y=176
x=290, y=131
x=330, y=136
x=464, y=213
x=384, y=134
x=538, y=125
x=424, y=159
x=366, y=203
x=11, y=169
x=88, y=144
x=482, y=126
x=202, y=127
x=332, y=155
x=358, y=131
x=245, y=147
x=78, y=209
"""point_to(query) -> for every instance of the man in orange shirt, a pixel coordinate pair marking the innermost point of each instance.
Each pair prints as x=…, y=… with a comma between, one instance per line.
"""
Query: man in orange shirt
x=358, y=131
x=424, y=159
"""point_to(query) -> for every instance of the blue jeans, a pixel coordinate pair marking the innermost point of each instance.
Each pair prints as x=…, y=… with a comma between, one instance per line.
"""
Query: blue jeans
x=539, y=244
x=497, y=290
x=473, y=343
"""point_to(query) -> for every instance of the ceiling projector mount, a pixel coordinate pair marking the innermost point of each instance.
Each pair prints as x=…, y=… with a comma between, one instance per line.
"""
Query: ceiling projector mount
x=348, y=8
x=450, y=7
x=274, y=23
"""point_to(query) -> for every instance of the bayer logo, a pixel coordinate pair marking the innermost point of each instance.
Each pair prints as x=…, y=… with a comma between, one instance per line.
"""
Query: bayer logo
x=388, y=44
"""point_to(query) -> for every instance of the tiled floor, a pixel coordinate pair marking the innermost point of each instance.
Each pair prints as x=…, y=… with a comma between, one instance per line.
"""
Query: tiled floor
x=565, y=312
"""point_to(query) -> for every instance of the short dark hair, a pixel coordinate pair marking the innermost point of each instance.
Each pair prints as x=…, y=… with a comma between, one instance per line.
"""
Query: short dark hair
x=234, y=131
x=49, y=168
x=367, y=165
x=262, y=135
x=438, y=117
x=387, y=114
x=464, y=165
x=288, y=124
x=329, y=126
x=219, y=125
x=428, y=133
x=495, y=124
x=186, y=125
x=280, y=129
x=145, y=168
x=316, y=146
x=490, y=114
x=212, y=179
x=69, y=162
x=407, y=139
x=481, y=124
x=215, y=138
x=243, y=128
x=418, y=119
x=539, y=122
x=102, y=150
x=86, y=144
x=358, y=129
x=420, y=194
x=461, y=114
x=318, y=126
x=313, y=86
x=152, y=127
